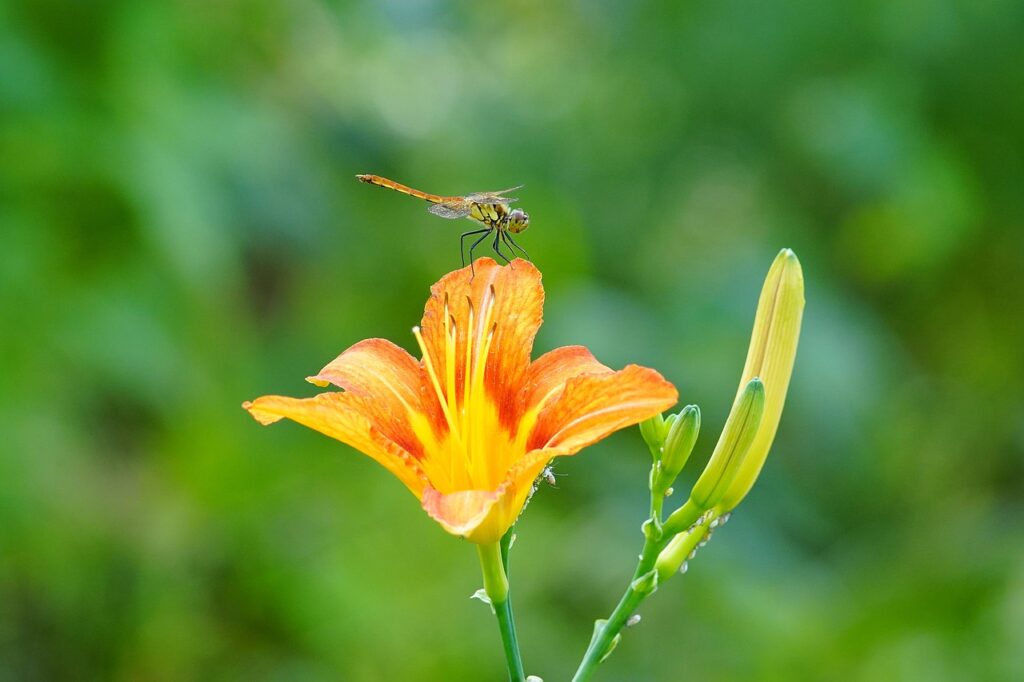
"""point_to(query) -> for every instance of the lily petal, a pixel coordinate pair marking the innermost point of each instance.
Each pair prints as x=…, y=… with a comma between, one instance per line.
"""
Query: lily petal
x=483, y=516
x=497, y=311
x=389, y=378
x=594, y=405
x=548, y=373
x=464, y=512
x=343, y=416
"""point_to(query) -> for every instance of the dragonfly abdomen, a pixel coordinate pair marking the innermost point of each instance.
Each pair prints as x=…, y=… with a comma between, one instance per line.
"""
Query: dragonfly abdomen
x=399, y=187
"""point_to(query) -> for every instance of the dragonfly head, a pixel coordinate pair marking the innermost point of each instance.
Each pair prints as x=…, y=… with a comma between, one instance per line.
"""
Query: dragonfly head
x=518, y=220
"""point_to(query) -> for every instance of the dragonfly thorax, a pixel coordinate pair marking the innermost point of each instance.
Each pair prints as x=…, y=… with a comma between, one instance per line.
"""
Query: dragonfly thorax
x=499, y=216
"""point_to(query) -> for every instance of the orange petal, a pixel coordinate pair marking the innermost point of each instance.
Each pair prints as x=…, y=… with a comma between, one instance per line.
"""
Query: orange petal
x=464, y=513
x=594, y=405
x=389, y=378
x=548, y=373
x=508, y=300
x=484, y=516
x=343, y=416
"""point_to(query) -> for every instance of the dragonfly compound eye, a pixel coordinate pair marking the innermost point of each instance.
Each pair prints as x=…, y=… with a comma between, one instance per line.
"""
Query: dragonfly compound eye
x=518, y=220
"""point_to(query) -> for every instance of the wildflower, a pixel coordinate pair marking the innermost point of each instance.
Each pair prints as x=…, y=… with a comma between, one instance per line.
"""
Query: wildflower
x=469, y=427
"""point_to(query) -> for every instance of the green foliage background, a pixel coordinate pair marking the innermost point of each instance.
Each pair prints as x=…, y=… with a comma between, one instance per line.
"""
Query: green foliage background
x=180, y=231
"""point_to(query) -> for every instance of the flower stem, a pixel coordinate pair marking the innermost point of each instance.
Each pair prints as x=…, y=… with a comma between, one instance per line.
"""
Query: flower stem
x=657, y=503
x=496, y=587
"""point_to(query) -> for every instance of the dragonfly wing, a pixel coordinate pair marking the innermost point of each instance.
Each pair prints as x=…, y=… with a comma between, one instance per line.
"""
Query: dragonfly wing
x=491, y=198
x=449, y=211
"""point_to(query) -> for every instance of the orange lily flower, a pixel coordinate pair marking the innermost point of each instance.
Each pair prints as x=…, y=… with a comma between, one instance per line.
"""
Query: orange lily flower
x=470, y=427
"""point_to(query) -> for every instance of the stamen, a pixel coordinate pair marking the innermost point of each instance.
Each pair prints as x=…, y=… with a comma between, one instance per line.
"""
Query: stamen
x=485, y=323
x=478, y=376
x=478, y=405
x=449, y=357
x=476, y=360
x=467, y=356
x=433, y=380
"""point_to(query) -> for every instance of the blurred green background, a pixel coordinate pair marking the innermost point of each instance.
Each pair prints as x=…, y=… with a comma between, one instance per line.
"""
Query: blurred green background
x=180, y=230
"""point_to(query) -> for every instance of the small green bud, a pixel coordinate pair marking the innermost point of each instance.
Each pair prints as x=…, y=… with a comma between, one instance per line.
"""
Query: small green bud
x=679, y=442
x=740, y=429
x=653, y=431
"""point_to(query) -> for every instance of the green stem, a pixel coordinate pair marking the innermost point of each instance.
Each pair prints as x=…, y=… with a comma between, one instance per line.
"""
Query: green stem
x=509, y=642
x=657, y=504
x=496, y=587
x=603, y=639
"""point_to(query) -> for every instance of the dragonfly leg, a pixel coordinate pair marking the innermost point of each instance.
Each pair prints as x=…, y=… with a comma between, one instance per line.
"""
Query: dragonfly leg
x=497, y=248
x=462, y=244
x=474, y=245
x=512, y=244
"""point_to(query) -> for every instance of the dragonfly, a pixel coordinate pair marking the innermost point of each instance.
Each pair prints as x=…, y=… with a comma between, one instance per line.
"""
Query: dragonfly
x=491, y=209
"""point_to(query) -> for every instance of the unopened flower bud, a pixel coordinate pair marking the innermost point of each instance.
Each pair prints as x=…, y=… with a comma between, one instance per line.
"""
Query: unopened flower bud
x=771, y=356
x=679, y=442
x=733, y=444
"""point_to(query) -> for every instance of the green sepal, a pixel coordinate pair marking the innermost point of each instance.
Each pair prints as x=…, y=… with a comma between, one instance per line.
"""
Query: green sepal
x=598, y=627
x=652, y=529
x=645, y=584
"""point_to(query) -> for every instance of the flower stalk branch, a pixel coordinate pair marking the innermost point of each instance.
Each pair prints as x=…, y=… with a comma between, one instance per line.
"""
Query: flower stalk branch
x=734, y=465
x=643, y=584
